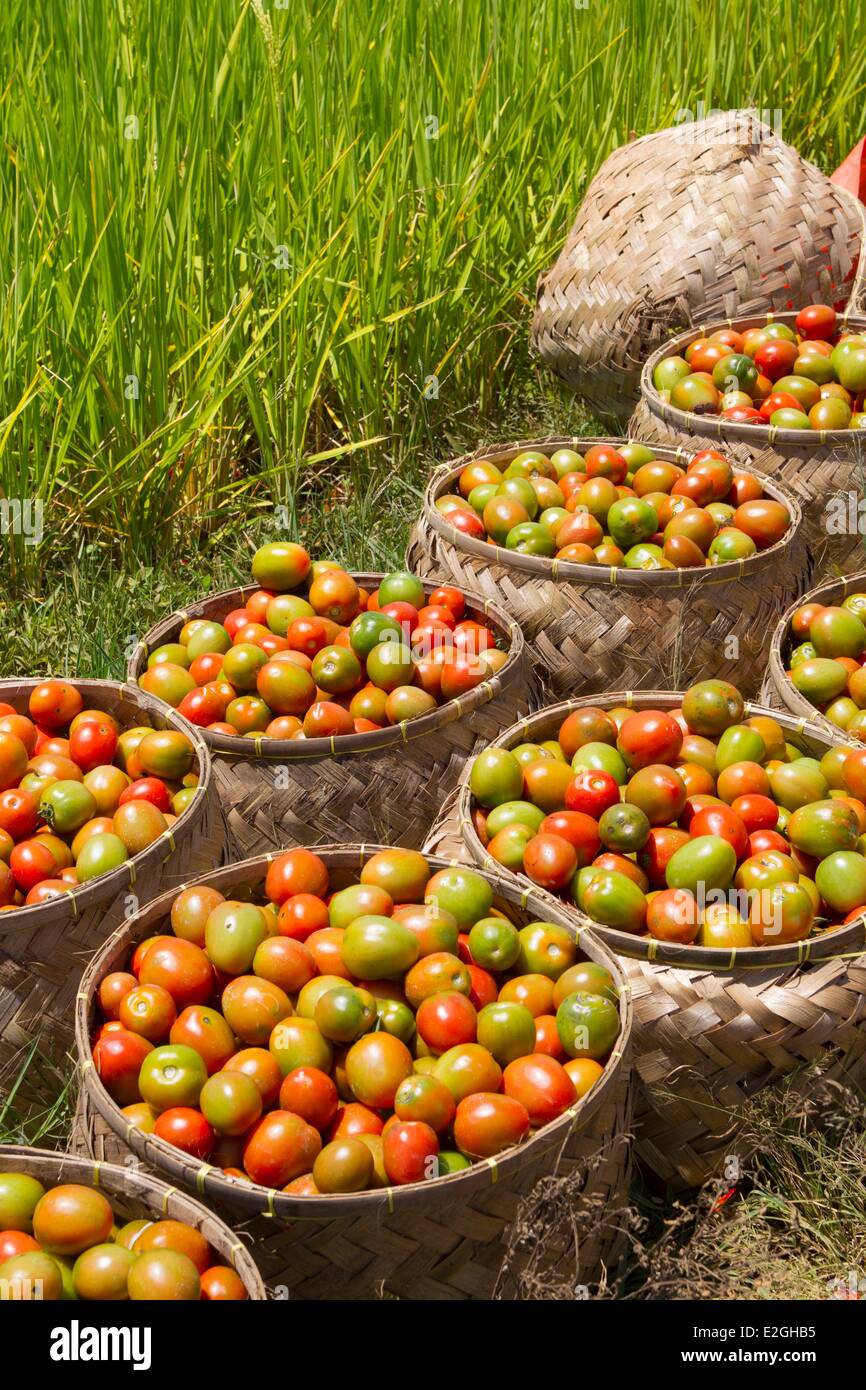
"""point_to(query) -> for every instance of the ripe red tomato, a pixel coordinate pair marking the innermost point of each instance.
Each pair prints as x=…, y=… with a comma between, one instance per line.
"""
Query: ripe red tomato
x=310, y=1093
x=117, y=1057
x=147, y=789
x=486, y=1123
x=409, y=1151
x=592, y=793
x=550, y=861
x=541, y=1084
x=484, y=989
x=281, y=1147
x=19, y=813
x=186, y=1129
x=446, y=1020
x=180, y=967
x=776, y=358
x=54, y=704
x=30, y=862
x=353, y=1119
x=760, y=841
x=448, y=597
x=755, y=811
x=816, y=321
x=203, y=706
x=604, y=461
x=722, y=822
x=297, y=871
x=547, y=1039
x=578, y=828
x=650, y=736
x=93, y=744
x=301, y=915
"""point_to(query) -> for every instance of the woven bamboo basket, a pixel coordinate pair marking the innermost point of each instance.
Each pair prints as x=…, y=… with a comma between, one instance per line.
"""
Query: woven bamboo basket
x=44, y=949
x=447, y=1239
x=387, y=785
x=590, y=627
x=778, y=691
x=816, y=465
x=134, y=1193
x=711, y=1027
x=708, y=219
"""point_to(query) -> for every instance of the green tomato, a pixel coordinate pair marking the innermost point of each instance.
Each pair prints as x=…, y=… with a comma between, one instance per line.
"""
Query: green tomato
x=669, y=371
x=707, y=860
x=614, y=900
x=494, y=944
x=514, y=813
x=528, y=538
x=601, y=757
x=66, y=806
x=507, y=1030
x=171, y=1075
x=367, y=630
x=624, y=828
x=588, y=1025
x=401, y=587
x=377, y=948
x=841, y=881
x=632, y=520
x=496, y=777
x=233, y=932
x=824, y=827
x=100, y=855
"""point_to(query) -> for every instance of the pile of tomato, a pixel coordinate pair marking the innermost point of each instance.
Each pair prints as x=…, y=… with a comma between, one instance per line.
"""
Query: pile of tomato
x=810, y=377
x=617, y=505
x=312, y=654
x=65, y=1242
x=79, y=795
x=317, y=1041
x=690, y=824
x=827, y=660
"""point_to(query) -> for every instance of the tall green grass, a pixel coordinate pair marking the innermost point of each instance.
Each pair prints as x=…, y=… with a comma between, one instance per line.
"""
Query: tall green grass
x=248, y=250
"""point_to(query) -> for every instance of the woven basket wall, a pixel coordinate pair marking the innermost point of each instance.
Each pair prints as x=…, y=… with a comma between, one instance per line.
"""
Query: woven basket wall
x=705, y=220
x=711, y=1027
x=448, y=1239
x=590, y=627
x=44, y=949
x=387, y=785
x=134, y=1194
x=777, y=690
x=813, y=464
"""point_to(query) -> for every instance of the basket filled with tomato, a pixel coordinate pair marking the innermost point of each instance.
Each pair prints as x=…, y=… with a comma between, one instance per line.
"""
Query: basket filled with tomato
x=816, y=660
x=335, y=706
x=310, y=1041
x=625, y=564
x=717, y=847
x=106, y=799
x=70, y=1228
x=784, y=394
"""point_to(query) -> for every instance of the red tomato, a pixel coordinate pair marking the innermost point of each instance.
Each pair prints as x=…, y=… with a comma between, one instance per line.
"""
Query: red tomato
x=30, y=862
x=722, y=822
x=486, y=1123
x=762, y=840
x=816, y=321
x=778, y=400
x=776, y=358
x=354, y=1119
x=19, y=813
x=310, y=1093
x=550, y=861
x=484, y=989
x=187, y=1130
x=541, y=1084
x=117, y=1057
x=547, y=1039
x=446, y=1020
x=755, y=811
x=409, y=1151
x=297, y=871
x=653, y=856
x=257, y=608
x=472, y=637
x=592, y=793
x=93, y=744
x=301, y=915
x=151, y=789
x=180, y=967
x=578, y=828
x=16, y=1243
x=650, y=736
x=448, y=597
x=604, y=461
x=281, y=1147
x=54, y=704
x=203, y=706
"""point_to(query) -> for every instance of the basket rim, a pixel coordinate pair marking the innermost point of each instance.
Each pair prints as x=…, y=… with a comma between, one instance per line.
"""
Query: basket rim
x=99, y=890
x=254, y=1198
x=839, y=587
x=136, y=1185
x=376, y=741
x=613, y=576
x=759, y=435
x=840, y=941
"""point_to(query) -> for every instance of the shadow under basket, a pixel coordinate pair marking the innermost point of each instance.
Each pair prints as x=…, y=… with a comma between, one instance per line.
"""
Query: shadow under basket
x=45, y=948
x=596, y=627
x=457, y=1237
x=384, y=785
x=711, y=1027
x=134, y=1193
x=824, y=469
